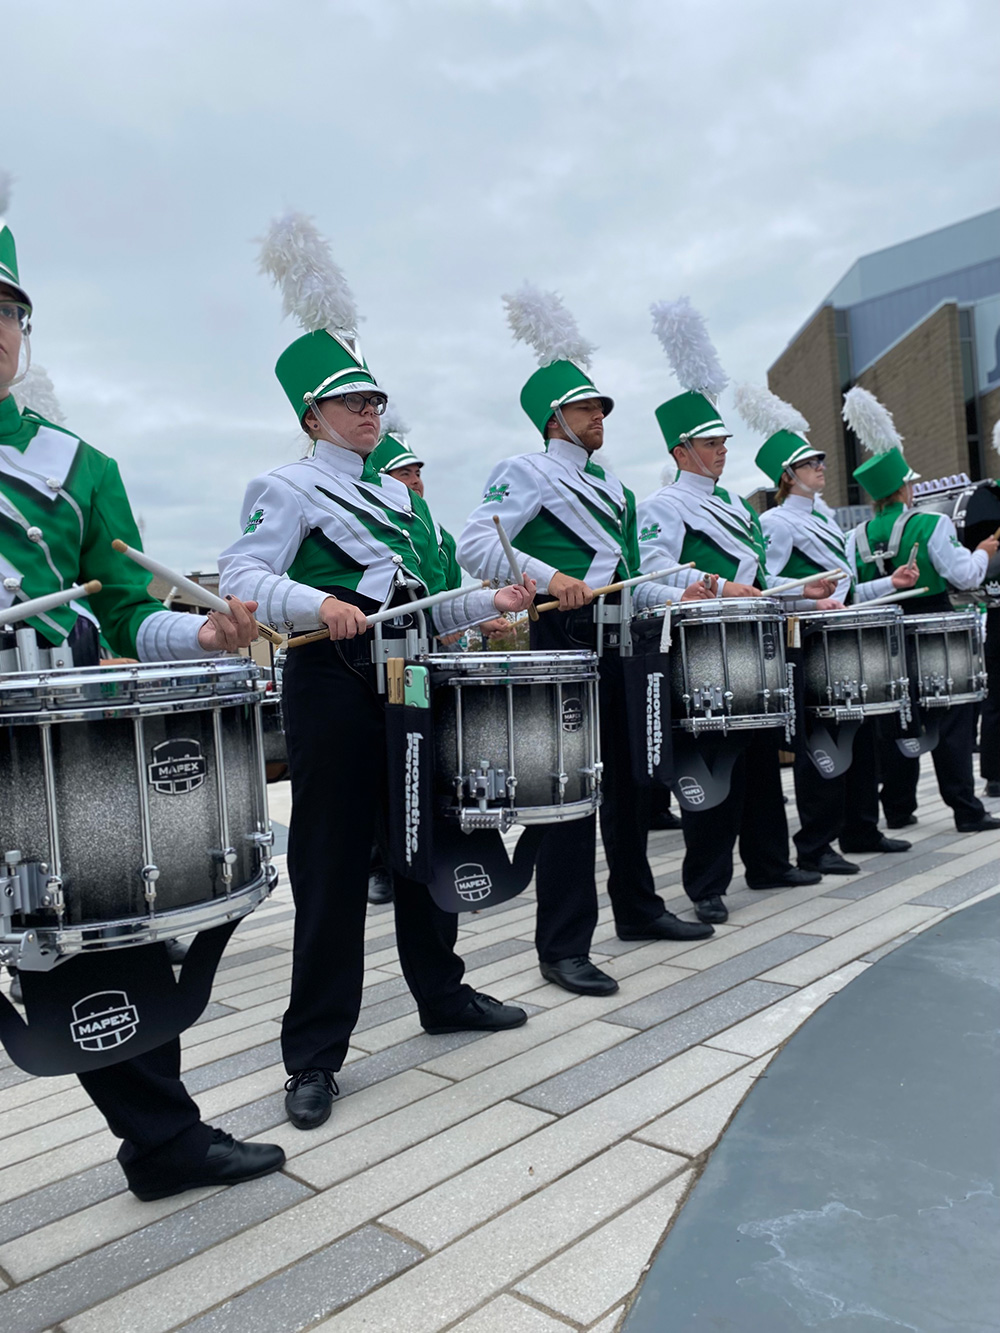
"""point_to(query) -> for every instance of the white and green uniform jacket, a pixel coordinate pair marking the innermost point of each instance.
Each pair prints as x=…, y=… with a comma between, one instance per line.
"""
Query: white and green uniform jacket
x=62, y=503
x=563, y=514
x=803, y=538
x=696, y=519
x=329, y=522
x=884, y=543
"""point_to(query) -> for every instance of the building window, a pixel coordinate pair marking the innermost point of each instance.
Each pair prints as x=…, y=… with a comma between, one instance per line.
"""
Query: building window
x=852, y=452
x=967, y=354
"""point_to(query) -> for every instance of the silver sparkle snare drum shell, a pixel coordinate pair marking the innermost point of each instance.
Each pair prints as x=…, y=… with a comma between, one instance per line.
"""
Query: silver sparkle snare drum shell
x=727, y=664
x=132, y=805
x=854, y=664
x=515, y=736
x=945, y=657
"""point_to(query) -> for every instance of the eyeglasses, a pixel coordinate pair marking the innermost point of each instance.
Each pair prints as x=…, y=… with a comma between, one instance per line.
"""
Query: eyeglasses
x=15, y=312
x=357, y=402
x=819, y=460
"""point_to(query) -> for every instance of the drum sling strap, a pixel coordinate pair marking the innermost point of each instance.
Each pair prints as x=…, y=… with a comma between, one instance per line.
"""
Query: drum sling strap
x=881, y=558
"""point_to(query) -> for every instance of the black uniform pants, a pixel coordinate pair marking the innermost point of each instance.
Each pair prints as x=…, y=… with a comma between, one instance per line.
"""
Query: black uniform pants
x=989, y=733
x=564, y=870
x=952, y=758
x=335, y=730
x=843, y=807
x=753, y=811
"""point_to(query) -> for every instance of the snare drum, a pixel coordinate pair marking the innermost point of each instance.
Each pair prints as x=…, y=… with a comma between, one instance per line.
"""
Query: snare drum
x=727, y=663
x=945, y=654
x=515, y=736
x=132, y=805
x=854, y=665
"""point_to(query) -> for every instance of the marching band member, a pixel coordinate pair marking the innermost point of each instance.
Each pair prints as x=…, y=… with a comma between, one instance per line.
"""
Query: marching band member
x=61, y=504
x=696, y=519
x=803, y=538
x=572, y=524
x=883, y=545
x=319, y=547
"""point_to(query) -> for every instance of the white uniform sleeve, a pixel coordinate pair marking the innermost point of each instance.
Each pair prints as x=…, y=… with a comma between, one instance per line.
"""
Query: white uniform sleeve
x=780, y=540
x=962, y=568
x=253, y=568
x=461, y=613
x=170, y=636
x=645, y=595
x=662, y=531
x=513, y=493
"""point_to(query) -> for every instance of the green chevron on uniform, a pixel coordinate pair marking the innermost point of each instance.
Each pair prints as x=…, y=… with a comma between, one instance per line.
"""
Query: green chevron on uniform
x=689, y=416
x=556, y=385
x=883, y=474
x=783, y=449
x=321, y=365
x=8, y=263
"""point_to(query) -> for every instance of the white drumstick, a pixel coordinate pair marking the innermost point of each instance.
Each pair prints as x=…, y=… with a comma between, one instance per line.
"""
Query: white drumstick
x=625, y=583
x=377, y=617
x=801, y=583
x=24, y=610
x=516, y=574
x=201, y=595
x=899, y=596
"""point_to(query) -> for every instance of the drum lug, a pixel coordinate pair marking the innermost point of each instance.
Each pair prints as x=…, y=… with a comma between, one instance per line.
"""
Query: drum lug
x=227, y=859
x=149, y=875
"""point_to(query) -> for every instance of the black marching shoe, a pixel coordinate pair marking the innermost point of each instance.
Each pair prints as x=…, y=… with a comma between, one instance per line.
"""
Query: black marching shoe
x=881, y=844
x=992, y=788
x=481, y=1014
x=713, y=911
x=578, y=975
x=227, y=1162
x=309, y=1097
x=791, y=879
x=665, y=927
x=982, y=825
x=379, y=888
x=905, y=822
x=829, y=863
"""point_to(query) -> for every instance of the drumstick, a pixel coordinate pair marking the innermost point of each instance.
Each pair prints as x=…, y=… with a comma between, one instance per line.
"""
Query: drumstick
x=625, y=583
x=376, y=618
x=800, y=583
x=202, y=595
x=24, y=610
x=895, y=596
x=517, y=575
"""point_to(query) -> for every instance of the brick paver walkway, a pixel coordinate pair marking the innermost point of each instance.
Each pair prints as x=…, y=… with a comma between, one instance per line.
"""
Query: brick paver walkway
x=514, y=1183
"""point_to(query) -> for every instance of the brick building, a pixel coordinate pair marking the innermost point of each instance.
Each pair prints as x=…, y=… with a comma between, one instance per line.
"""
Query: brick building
x=918, y=324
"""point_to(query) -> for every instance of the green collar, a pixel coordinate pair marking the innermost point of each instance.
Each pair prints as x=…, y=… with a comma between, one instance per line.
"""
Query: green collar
x=594, y=469
x=11, y=423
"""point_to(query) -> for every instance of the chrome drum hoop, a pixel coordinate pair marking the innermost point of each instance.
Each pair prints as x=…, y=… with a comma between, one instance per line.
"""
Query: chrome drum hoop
x=516, y=736
x=941, y=645
x=854, y=663
x=727, y=664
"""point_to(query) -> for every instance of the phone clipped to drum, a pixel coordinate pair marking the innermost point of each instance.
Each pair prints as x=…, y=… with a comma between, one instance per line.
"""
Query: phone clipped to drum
x=132, y=806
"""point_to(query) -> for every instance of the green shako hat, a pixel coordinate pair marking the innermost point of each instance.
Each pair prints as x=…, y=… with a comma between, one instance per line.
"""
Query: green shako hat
x=326, y=362
x=690, y=415
x=872, y=423
x=392, y=450
x=8, y=251
x=541, y=320
x=783, y=424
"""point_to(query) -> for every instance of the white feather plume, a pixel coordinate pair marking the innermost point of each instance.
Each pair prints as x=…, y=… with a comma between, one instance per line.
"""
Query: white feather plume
x=871, y=422
x=690, y=351
x=313, y=289
x=996, y=438
x=37, y=393
x=542, y=321
x=393, y=423
x=6, y=187
x=766, y=413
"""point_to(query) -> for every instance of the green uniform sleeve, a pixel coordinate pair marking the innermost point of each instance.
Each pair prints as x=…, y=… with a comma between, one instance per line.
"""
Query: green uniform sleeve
x=124, y=601
x=449, y=561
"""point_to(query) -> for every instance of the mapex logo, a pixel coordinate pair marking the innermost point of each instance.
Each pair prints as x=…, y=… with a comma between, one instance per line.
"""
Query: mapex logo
x=910, y=747
x=472, y=884
x=177, y=767
x=823, y=761
x=654, y=722
x=770, y=646
x=572, y=715
x=412, y=797
x=692, y=791
x=103, y=1020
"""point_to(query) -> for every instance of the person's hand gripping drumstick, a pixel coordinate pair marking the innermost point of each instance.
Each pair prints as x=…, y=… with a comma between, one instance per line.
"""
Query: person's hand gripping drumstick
x=519, y=576
x=230, y=624
x=906, y=575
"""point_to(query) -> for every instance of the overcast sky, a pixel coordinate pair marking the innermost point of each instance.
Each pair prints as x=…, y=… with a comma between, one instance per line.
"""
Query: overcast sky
x=740, y=152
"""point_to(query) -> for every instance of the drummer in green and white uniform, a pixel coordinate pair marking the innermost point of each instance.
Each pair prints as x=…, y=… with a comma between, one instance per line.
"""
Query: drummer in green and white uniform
x=61, y=504
x=879, y=547
x=572, y=524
